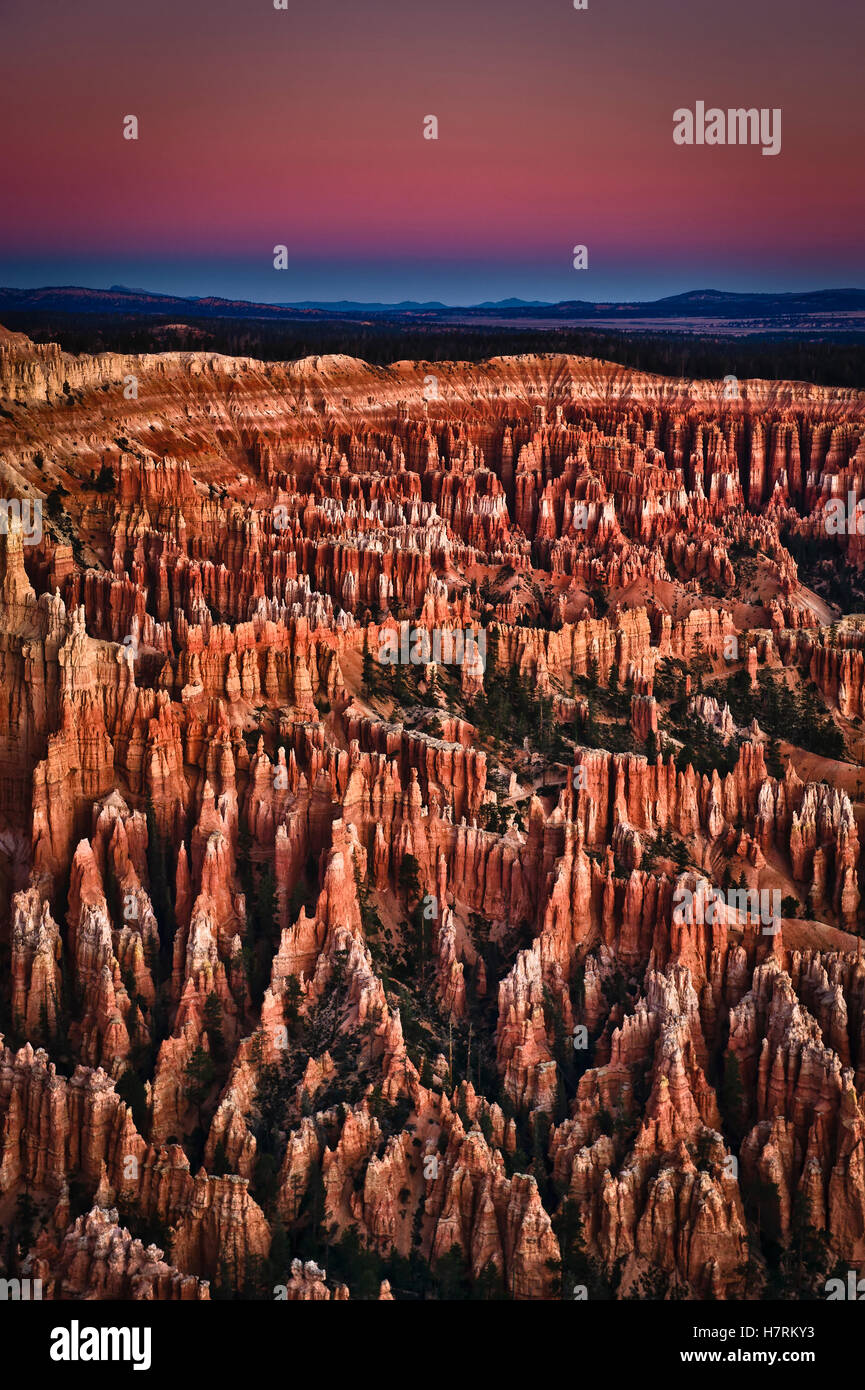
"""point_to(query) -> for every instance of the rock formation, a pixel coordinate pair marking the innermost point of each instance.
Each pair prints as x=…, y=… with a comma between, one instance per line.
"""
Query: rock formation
x=429, y=831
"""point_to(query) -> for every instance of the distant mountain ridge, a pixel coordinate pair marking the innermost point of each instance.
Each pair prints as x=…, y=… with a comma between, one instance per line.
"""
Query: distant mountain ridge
x=703, y=303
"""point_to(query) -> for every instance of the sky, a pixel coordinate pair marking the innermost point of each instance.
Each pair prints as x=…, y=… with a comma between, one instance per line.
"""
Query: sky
x=304, y=127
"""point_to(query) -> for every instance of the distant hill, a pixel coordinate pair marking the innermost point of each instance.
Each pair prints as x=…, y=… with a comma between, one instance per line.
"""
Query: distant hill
x=74, y=299
x=712, y=304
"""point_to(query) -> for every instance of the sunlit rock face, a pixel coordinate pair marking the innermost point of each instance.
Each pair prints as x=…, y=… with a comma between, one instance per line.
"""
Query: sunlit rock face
x=429, y=805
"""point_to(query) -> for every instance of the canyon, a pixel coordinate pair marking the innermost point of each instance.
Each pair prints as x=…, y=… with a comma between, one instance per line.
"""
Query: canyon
x=327, y=978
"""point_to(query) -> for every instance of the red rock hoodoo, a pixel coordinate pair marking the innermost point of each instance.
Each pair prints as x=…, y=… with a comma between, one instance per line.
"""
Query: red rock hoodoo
x=429, y=849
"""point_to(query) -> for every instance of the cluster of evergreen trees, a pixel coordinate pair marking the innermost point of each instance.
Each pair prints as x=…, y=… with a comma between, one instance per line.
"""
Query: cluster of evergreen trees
x=510, y=710
x=798, y=716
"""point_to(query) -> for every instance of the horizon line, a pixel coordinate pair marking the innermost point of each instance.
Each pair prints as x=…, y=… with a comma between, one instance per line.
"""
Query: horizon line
x=513, y=301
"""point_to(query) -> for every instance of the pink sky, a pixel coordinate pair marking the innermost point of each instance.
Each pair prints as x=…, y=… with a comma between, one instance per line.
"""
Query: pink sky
x=304, y=127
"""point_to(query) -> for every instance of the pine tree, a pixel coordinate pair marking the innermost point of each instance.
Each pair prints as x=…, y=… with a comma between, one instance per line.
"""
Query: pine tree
x=213, y=1026
x=733, y=1096
x=370, y=675
x=200, y=1073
